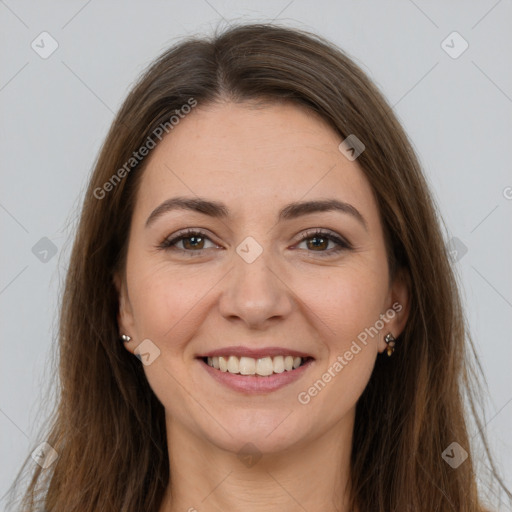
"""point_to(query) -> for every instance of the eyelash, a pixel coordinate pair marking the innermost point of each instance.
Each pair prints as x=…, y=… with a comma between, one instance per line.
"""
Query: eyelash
x=168, y=243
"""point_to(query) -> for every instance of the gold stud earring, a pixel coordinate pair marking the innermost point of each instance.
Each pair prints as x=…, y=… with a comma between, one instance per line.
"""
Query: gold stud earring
x=390, y=341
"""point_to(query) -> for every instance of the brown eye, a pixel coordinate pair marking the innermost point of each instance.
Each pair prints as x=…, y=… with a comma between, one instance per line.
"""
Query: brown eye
x=318, y=241
x=192, y=241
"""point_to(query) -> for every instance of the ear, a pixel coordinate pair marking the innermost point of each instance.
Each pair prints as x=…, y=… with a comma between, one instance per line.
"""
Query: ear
x=398, y=307
x=125, y=320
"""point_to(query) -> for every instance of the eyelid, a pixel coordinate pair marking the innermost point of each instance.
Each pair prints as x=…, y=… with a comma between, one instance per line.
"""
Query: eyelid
x=342, y=244
x=311, y=232
x=169, y=241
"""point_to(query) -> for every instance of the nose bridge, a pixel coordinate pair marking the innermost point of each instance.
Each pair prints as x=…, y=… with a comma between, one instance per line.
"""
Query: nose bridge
x=254, y=291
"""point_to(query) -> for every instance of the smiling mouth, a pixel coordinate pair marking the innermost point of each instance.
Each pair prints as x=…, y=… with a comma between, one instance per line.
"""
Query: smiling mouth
x=261, y=367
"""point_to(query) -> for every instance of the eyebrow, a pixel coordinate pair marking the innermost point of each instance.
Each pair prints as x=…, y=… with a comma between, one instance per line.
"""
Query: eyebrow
x=219, y=210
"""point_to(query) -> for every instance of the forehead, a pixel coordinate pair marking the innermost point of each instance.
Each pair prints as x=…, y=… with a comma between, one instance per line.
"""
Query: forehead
x=252, y=157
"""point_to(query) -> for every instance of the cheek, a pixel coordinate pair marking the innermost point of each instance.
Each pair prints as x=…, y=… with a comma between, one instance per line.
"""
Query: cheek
x=348, y=304
x=347, y=300
x=167, y=306
x=348, y=308
x=167, y=302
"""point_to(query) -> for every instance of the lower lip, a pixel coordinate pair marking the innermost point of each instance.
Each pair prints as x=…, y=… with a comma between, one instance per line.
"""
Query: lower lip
x=252, y=384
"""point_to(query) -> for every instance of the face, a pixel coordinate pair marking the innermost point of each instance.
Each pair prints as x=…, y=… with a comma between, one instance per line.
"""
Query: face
x=252, y=277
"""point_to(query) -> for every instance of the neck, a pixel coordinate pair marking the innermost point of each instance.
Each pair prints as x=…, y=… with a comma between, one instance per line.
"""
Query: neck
x=207, y=478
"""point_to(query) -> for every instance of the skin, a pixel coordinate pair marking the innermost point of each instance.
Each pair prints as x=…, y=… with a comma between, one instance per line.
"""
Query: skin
x=256, y=160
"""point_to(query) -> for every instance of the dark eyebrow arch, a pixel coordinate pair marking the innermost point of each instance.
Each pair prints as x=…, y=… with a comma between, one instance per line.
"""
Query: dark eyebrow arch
x=219, y=210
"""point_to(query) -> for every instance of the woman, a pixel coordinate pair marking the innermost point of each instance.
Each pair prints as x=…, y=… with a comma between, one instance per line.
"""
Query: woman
x=259, y=310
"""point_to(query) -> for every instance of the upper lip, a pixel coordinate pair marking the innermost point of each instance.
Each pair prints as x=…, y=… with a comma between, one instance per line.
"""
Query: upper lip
x=240, y=351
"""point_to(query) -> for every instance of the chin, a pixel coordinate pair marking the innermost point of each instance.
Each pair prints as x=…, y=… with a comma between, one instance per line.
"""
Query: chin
x=265, y=432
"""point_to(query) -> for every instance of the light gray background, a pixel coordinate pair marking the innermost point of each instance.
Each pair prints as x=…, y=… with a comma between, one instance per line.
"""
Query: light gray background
x=55, y=112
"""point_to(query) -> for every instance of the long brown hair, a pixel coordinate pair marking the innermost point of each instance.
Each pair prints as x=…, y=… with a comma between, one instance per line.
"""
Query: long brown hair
x=108, y=427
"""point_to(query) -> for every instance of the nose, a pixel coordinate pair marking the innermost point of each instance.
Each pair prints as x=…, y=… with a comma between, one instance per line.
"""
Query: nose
x=254, y=293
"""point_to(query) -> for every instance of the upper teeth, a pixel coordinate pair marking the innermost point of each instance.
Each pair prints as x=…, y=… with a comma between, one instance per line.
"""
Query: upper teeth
x=249, y=366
